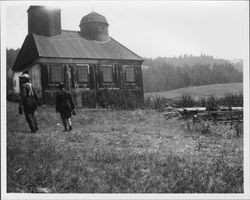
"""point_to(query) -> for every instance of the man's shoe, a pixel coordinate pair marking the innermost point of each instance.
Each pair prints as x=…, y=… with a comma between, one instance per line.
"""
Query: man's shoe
x=65, y=130
x=70, y=128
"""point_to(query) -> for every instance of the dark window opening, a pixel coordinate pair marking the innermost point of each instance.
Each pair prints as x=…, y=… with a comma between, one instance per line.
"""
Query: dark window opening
x=130, y=74
x=82, y=73
x=56, y=73
x=107, y=71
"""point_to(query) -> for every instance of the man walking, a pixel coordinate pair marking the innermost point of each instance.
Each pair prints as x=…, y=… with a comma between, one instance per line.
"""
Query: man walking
x=29, y=102
x=65, y=106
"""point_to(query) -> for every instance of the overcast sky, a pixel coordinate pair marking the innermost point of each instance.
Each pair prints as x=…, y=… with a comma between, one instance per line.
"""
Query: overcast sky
x=154, y=28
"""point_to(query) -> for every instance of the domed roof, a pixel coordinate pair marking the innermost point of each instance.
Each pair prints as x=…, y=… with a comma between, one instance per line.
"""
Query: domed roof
x=94, y=17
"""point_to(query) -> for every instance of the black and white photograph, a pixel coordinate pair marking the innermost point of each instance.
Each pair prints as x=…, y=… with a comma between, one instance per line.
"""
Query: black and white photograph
x=125, y=99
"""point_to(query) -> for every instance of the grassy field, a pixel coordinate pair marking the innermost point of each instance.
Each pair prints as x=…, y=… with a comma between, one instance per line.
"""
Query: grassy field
x=121, y=152
x=217, y=90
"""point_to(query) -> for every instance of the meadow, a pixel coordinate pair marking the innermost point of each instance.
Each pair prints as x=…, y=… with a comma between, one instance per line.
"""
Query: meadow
x=121, y=151
x=203, y=91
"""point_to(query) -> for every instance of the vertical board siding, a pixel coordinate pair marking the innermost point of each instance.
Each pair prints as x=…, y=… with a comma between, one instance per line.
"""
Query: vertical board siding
x=16, y=82
x=88, y=98
x=73, y=74
x=67, y=76
x=141, y=85
x=91, y=97
x=77, y=96
x=115, y=75
x=122, y=77
x=49, y=97
x=91, y=76
x=35, y=74
x=98, y=76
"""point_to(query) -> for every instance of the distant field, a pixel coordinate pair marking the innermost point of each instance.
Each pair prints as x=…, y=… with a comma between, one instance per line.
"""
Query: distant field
x=202, y=91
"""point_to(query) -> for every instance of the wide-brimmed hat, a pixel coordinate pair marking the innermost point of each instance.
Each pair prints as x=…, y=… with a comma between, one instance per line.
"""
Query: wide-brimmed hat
x=24, y=76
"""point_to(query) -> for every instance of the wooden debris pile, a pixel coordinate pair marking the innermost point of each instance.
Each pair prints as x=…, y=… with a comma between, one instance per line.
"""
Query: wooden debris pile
x=221, y=114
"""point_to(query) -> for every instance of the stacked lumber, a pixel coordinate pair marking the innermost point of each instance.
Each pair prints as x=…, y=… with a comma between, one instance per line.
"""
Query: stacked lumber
x=222, y=113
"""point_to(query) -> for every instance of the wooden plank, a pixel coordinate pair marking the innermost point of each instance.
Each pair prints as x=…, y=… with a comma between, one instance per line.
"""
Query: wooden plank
x=74, y=75
x=116, y=80
x=49, y=96
x=122, y=81
x=44, y=77
x=192, y=109
x=141, y=84
x=91, y=76
x=35, y=74
x=67, y=77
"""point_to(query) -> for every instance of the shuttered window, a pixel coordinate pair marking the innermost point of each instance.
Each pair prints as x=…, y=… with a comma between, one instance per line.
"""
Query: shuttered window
x=107, y=72
x=56, y=73
x=130, y=74
x=83, y=73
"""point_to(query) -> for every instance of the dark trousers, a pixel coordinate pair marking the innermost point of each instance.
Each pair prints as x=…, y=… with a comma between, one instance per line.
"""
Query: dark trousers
x=65, y=119
x=65, y=123
x=31, y=119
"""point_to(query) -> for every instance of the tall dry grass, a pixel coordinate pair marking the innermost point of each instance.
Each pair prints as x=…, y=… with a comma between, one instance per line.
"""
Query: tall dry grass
x=211, y=101
x=120, y=152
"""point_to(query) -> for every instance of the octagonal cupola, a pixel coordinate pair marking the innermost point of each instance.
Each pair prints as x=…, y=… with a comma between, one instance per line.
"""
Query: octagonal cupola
x=94, y=27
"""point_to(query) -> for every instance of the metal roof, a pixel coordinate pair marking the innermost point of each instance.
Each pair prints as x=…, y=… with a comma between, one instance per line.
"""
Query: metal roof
x=70, y=44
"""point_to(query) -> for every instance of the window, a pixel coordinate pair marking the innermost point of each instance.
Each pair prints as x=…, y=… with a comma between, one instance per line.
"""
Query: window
x=107, y=73
x=130, y=74
x=100, y=28
x=82, y=73
x=56, y=73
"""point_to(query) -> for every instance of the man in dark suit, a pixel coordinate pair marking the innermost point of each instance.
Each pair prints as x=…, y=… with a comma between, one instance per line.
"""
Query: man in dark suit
x=29, y=102
x=65, y=106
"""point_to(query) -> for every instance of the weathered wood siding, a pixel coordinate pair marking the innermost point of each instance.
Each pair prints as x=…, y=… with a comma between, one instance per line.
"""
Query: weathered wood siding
x=35, y=75
x=88, y=94
x=16, y=83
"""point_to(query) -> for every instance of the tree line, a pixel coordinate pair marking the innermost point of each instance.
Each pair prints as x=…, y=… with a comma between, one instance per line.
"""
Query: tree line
x=167, y=73
x=161, y=74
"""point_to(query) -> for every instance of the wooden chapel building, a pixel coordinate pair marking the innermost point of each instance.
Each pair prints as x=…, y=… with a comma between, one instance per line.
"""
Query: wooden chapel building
x=88, y=61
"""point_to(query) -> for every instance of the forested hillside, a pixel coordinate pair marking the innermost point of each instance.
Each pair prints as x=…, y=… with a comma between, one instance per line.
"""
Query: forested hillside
x=163, y=74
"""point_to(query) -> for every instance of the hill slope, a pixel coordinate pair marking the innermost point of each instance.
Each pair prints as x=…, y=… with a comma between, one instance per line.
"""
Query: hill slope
x=202, y=91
